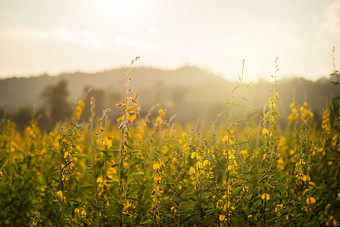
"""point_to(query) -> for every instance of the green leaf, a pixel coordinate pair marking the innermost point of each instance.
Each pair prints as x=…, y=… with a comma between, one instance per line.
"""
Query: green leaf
x=74, y=200
x=70, y=209
x=247, y=86
x=233, y=103
x=264, y=146
x=85, y=187
x=80, y=156
x=235, y=88
x=280, y=178
x=240, y=143
x=127, y=220
x=146, y=222
x=112, y=182
x=236, y=190
x=252, y=118
x=136, y=174
x=218, y=195
x=93, y=204
x=51, y=150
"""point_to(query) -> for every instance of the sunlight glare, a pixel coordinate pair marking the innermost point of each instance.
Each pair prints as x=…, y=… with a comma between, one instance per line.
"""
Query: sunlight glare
x=126, y=6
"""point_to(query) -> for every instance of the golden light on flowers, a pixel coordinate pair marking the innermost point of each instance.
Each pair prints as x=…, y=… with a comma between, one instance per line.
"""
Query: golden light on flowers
x=159, y=121
x=294, y=112
x=77, y=113
x=306, y=113
x=241, y=171
x=326, y=125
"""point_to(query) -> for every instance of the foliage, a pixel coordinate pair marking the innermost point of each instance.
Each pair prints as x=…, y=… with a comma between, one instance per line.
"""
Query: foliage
x=149, y=171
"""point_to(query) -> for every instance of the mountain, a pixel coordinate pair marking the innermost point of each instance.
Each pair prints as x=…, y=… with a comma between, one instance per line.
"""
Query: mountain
x=189, y=92
x=18, y=92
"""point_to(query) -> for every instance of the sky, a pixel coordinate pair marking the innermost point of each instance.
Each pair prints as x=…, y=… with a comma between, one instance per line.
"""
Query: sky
x=58, y=36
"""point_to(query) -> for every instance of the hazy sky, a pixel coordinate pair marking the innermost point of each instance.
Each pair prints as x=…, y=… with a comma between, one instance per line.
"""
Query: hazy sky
x=56, y=36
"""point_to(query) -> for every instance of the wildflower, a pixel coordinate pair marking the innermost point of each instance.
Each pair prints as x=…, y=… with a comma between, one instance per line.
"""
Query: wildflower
x=159, y=121
x=326, y=123
x=192, y=171
x=310, y=200
x=120, y=119
x=60, y=196
x=294, y=112
x=107, y=142
x=79, y=109
x=157, y=180
x=222, y=217
x=161, y=112
x=265, y=196
x=83, y=213
x=265, y=132
x=272, y=103
x=134, y=99
x=156, y=167
x=306, y=113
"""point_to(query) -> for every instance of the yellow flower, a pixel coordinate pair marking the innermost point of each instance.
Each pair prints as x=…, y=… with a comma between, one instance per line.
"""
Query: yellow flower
x=173, y=209
x=265, y=196
x=305, y=191
x=77, y=113
x=130, y=109
x=119, y=119
x=83, y=213
x=191, y=171
x=272, y=104
x=157, y=179
x=222, y=217
x=60, y=195
x=156, y=166
x=131, y=117
x=99, y=180
x=159, y=121
x=161, y=112
x=265, y=132
x=206, y=163
x=310, y=200
x=244, y=153
x=107, y=142
x=199, y=165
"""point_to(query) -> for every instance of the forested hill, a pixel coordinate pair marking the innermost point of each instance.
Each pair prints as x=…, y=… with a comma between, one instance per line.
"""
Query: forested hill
x=188, y=92
x=18, y=92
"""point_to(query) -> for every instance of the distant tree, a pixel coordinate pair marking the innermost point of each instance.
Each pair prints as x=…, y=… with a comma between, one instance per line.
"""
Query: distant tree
x=56, y=104
x=178, y=94
x=22, y=117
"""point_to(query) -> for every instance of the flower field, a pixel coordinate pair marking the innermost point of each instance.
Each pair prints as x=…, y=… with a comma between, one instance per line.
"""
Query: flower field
x=148, y=170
